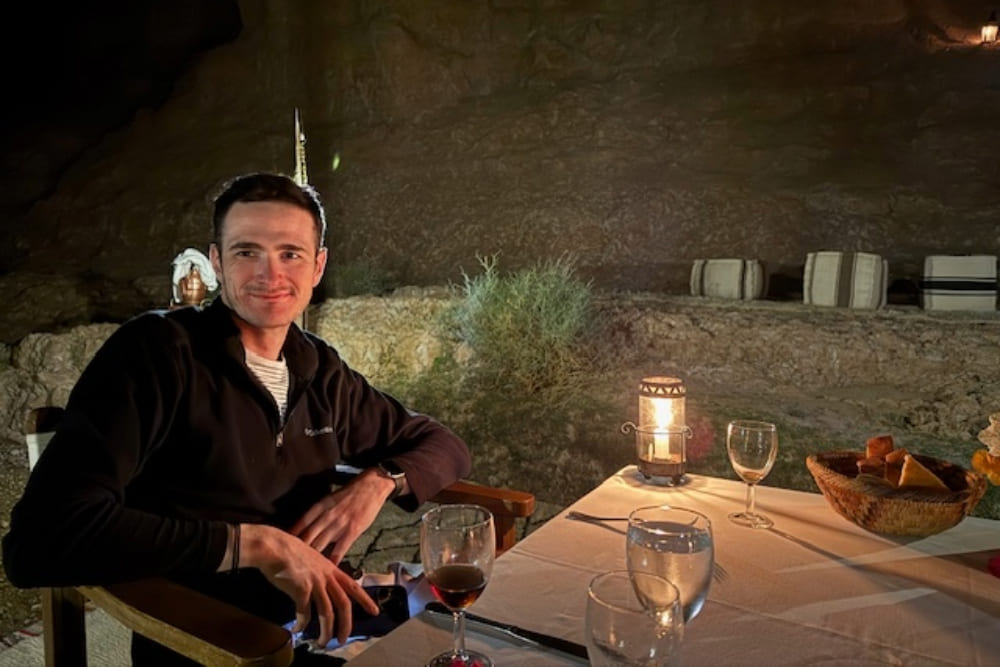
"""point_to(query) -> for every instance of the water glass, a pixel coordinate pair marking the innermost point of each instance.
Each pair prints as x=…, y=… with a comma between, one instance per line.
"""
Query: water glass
x=633, y=620
x=676, y=544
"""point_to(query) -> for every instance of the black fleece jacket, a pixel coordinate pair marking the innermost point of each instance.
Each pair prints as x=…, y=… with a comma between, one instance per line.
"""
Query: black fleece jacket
x=167, y=436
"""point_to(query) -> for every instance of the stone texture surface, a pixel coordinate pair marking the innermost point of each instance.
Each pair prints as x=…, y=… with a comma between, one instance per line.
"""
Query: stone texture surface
x=378, y=333
x=637, y=135
x=935, y=371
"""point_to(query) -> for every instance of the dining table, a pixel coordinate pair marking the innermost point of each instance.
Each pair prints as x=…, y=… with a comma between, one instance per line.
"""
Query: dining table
x=813, y=589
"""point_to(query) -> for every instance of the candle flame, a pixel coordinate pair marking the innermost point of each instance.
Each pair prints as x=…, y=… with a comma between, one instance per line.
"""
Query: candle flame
x=663, y=414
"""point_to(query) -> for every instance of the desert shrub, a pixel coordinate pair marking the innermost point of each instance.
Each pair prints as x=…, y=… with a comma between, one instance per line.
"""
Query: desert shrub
x=526, y=330
x=524, y=400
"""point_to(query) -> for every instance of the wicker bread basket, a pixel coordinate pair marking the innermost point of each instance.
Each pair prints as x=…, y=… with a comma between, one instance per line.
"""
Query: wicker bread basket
x=890, y=511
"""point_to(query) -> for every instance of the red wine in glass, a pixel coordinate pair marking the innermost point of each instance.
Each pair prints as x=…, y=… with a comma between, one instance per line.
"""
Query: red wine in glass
x=457, y=548
x=457, y=586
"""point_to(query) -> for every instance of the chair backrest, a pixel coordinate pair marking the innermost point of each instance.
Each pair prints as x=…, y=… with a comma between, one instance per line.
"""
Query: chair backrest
x=39, y=427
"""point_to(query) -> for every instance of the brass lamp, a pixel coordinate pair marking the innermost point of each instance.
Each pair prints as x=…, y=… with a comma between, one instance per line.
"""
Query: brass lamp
x=661, y=434
x=989, y=32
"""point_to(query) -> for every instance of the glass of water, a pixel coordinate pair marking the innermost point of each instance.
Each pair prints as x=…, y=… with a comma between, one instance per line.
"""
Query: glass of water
x=676, y=544
x=634, y=620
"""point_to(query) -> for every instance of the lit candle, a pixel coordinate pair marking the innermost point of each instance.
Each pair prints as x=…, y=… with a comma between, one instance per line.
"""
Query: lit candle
x=661, y=437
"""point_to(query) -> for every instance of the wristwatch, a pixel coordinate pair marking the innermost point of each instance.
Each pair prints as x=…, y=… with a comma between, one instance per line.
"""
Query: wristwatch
x=390, y=470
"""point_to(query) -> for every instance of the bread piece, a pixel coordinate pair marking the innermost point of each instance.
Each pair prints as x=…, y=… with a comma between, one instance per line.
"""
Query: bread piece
x=893, y=471
x=878, y=446
x=916, y=475
x=896, y=456
x=872, y=466
x=986, y=464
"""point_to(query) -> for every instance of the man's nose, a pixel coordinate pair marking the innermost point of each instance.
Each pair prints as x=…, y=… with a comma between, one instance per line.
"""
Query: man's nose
x=267, y=267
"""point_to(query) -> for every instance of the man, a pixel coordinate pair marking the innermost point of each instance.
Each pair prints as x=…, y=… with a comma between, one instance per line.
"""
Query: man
x=198, y=444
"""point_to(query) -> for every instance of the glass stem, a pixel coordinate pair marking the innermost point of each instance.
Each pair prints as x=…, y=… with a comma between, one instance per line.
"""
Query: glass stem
x=751, y=500
x=459, y=632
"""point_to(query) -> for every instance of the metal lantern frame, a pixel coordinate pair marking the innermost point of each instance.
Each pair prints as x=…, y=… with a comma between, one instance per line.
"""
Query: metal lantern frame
x=662, y=432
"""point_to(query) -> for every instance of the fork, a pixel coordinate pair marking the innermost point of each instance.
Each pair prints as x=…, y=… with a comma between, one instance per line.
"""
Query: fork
x=719, y=573
x=583, y=516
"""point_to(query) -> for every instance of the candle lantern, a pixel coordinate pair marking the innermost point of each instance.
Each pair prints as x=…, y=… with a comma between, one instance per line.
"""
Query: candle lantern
x=989, y=32
x=661, y=434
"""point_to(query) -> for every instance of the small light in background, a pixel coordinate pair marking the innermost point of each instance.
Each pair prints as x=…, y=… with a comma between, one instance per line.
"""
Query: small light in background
x=989, y=32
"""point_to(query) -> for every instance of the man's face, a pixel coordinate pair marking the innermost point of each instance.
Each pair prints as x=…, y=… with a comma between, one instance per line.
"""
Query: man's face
x=267, y=263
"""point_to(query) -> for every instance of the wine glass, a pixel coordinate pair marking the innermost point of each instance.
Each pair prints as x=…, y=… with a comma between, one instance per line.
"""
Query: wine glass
x=457, y=548
x=624, y=626
x=676, y=544
x=752, y=446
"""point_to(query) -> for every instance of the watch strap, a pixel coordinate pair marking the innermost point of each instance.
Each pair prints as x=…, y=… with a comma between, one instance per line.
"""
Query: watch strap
x=392, y=471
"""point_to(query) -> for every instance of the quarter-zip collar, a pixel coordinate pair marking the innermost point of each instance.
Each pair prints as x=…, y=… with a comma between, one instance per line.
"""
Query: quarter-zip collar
x=298, y=350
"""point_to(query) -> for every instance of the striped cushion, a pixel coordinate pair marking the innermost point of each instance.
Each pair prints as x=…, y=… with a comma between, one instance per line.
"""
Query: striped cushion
x=845, y=279
x=742, y=279
x=959, y=282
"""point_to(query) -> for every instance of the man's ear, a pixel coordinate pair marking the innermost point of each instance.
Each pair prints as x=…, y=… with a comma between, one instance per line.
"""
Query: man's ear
x=320, y=266
x=216, y=259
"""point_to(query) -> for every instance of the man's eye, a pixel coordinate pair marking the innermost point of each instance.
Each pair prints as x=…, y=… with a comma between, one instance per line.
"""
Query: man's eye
x=292, y=255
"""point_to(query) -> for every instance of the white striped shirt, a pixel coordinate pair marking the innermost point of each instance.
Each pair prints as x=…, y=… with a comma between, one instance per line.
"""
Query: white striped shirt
x=274, y=376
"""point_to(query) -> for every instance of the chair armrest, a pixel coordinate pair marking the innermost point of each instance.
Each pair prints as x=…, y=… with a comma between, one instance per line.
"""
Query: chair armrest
x=497, y=500
x=506, y=505
x=204, y=629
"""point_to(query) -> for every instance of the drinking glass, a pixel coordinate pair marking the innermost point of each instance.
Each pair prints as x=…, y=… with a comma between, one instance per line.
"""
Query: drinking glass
x=676, y=544
x=457, y=548
x=625, y=626
x=752, y=447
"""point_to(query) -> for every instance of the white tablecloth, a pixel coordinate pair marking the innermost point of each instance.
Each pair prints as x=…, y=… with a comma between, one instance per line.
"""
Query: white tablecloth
x=813, y=590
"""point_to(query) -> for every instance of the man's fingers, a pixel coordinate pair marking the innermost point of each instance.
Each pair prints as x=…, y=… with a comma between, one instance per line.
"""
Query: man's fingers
x=325, y=612
x=369, y=605
x=304, y=521
x=337, y=553
x=342, y=603
x=324, y=530
x=308, y=520
x=301, y=619
x=358, y=592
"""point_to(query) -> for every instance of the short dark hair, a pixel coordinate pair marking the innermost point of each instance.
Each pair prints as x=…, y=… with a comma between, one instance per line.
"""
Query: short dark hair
x=268, y=187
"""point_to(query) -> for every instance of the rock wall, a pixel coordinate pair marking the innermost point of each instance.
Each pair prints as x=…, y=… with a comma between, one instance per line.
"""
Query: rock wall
x=636, y=135
x=937, y=372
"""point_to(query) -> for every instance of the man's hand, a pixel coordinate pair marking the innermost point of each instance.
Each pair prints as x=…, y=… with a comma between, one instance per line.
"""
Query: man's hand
x=306, y=576
x=340, y=518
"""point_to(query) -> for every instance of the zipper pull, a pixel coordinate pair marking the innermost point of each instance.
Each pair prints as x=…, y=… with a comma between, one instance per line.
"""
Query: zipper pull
x=280, y=440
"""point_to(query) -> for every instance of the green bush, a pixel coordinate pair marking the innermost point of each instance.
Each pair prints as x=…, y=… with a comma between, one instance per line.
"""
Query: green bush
x=526, y=329
x=525, y=400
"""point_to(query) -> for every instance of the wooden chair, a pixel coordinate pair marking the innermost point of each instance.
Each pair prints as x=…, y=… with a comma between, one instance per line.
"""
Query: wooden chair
x=199, y=627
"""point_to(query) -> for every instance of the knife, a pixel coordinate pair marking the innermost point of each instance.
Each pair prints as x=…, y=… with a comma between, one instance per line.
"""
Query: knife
x=531, y=636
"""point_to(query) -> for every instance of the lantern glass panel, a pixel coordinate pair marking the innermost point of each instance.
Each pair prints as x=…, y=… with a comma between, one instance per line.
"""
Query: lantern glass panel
x=661, y=454
x=661, y=402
